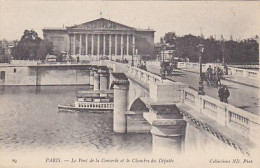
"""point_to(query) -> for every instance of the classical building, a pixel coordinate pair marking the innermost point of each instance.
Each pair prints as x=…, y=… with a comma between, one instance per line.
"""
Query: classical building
x=102, y=37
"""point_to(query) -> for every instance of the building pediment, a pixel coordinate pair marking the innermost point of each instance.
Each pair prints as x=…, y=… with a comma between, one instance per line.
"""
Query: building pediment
x=101, y=24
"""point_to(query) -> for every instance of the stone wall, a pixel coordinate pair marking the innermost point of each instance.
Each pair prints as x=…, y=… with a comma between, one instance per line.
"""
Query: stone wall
x=23, y=75
x=63, y=77
x=17, y=75
x=59, y=38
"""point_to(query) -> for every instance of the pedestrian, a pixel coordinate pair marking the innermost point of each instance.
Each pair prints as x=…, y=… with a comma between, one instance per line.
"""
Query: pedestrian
x=226, y=69
x=226, y=94
x=221, y=93
x=209, y=73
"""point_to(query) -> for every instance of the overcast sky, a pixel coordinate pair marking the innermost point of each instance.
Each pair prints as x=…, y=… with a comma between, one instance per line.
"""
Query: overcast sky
x=215, y=18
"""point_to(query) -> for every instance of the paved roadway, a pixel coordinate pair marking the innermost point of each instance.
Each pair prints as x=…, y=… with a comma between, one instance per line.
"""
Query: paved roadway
x=241, y=96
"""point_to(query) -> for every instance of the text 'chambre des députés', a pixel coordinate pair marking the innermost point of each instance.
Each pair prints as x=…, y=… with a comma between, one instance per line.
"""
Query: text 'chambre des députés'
x=106, y=160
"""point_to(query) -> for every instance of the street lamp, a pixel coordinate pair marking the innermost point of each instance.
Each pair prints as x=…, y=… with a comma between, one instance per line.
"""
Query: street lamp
x=201, y=50
x=223, y=49
x=132, y=63
x=162, y=64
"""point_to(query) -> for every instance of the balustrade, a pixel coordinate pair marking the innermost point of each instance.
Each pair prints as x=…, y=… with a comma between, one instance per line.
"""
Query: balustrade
x=225, y=114
x=94, y=105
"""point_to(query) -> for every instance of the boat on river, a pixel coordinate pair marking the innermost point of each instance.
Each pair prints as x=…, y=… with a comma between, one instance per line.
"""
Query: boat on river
x=91, y=101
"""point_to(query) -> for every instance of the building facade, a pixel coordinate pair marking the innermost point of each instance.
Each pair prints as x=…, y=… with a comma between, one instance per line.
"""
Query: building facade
x=102, y=37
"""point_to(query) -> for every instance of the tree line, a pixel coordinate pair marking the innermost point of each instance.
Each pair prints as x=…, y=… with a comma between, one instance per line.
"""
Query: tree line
x=244, y=51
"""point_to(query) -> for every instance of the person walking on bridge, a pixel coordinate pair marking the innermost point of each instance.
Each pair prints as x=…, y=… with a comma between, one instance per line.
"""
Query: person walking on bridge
x=223, y=94
x=209, y=73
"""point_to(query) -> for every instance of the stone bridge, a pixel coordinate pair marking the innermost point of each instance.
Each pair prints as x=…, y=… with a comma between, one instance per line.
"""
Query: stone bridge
x=143, y=102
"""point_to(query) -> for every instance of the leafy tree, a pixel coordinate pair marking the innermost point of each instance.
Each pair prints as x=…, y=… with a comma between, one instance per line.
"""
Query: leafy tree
x=45, y=48
x=5, y=58
x=28, y=46
x=232, y=51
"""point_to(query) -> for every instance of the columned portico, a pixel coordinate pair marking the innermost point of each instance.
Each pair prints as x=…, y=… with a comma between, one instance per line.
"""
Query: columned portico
x=100, y=39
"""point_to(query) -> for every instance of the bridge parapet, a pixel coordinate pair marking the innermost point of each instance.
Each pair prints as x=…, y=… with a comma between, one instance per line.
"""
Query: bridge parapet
x=232, y=71
x=146, y=76
x=241, y=121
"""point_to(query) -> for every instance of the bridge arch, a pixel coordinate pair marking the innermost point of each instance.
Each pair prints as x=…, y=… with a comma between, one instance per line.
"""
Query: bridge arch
x=138, y=105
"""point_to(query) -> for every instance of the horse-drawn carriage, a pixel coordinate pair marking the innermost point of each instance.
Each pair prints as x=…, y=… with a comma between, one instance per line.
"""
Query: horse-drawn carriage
x=167, y=68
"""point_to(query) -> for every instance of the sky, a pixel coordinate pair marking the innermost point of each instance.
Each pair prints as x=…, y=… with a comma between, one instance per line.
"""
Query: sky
x=236, y=18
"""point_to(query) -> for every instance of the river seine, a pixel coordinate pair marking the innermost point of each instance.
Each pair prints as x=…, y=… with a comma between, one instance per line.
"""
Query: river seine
x=30, y=120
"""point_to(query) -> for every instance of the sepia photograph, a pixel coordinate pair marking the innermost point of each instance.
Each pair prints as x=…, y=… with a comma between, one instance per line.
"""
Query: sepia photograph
x=129, y=84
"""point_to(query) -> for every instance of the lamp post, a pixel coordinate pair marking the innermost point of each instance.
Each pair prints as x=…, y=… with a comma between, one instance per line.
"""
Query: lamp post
x=162, y=64
x=132, y=62
x=223, y=49
x=201, y=89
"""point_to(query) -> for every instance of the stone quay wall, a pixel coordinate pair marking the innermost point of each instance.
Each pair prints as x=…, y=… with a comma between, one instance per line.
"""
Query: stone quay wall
x=32, y=76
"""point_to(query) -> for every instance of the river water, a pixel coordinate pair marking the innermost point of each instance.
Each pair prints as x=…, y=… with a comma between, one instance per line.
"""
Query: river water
x=30, y=120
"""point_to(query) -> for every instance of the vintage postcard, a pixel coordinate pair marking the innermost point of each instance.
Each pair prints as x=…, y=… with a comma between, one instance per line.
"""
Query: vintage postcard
x=129, y=84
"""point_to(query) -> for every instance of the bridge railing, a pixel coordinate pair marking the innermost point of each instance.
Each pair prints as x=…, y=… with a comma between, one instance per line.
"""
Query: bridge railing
x=243, y=72
x=232, y=71
x=224, y=114
x=144, y=76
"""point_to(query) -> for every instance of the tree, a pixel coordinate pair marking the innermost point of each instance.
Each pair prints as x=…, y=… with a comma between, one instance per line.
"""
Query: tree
x=5, y=58
x=45, y=48
x=28, y=46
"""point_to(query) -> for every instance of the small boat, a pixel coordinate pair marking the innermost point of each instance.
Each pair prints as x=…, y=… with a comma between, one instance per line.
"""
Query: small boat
x=96, y=102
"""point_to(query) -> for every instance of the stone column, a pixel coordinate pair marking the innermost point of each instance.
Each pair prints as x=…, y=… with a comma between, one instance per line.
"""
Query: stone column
x=92, y=45
x=110, y=46
x=104, y=44
x=86, y=47
x=122, y=46
x=120, y=107
x=103, y=80
x=74, y=44
x=98, y=45
x=80, y=41
x=115, y=44
x=68, y=45
x=96, y=80
x=133, y=44
x=91, y=78
x=127, y=45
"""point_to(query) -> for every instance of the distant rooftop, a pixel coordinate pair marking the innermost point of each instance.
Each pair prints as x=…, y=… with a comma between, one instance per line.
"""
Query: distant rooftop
x=54, y=28
x=145, y=29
